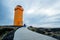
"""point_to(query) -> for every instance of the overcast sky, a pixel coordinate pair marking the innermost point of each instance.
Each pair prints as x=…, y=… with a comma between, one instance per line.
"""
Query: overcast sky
x=42, y=13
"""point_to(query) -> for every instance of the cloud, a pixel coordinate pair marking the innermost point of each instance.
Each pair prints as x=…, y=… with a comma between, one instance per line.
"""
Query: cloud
x=42, y=13
x=48, y=11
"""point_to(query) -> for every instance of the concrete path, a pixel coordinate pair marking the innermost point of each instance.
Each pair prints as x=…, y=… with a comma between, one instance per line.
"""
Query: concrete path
x=25, y=34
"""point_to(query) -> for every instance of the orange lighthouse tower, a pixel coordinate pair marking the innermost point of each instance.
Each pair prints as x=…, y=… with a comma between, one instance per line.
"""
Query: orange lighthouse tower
x=18, y=16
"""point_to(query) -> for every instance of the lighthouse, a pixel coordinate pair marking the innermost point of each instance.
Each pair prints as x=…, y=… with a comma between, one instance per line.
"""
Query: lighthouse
x=18, y=16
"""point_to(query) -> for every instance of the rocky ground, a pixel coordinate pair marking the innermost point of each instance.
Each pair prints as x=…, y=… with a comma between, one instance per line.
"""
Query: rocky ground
x=53, y=32
x=9, y=32
x=5, y=31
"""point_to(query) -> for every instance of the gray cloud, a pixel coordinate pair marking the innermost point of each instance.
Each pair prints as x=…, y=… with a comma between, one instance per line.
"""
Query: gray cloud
x=36, y=12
